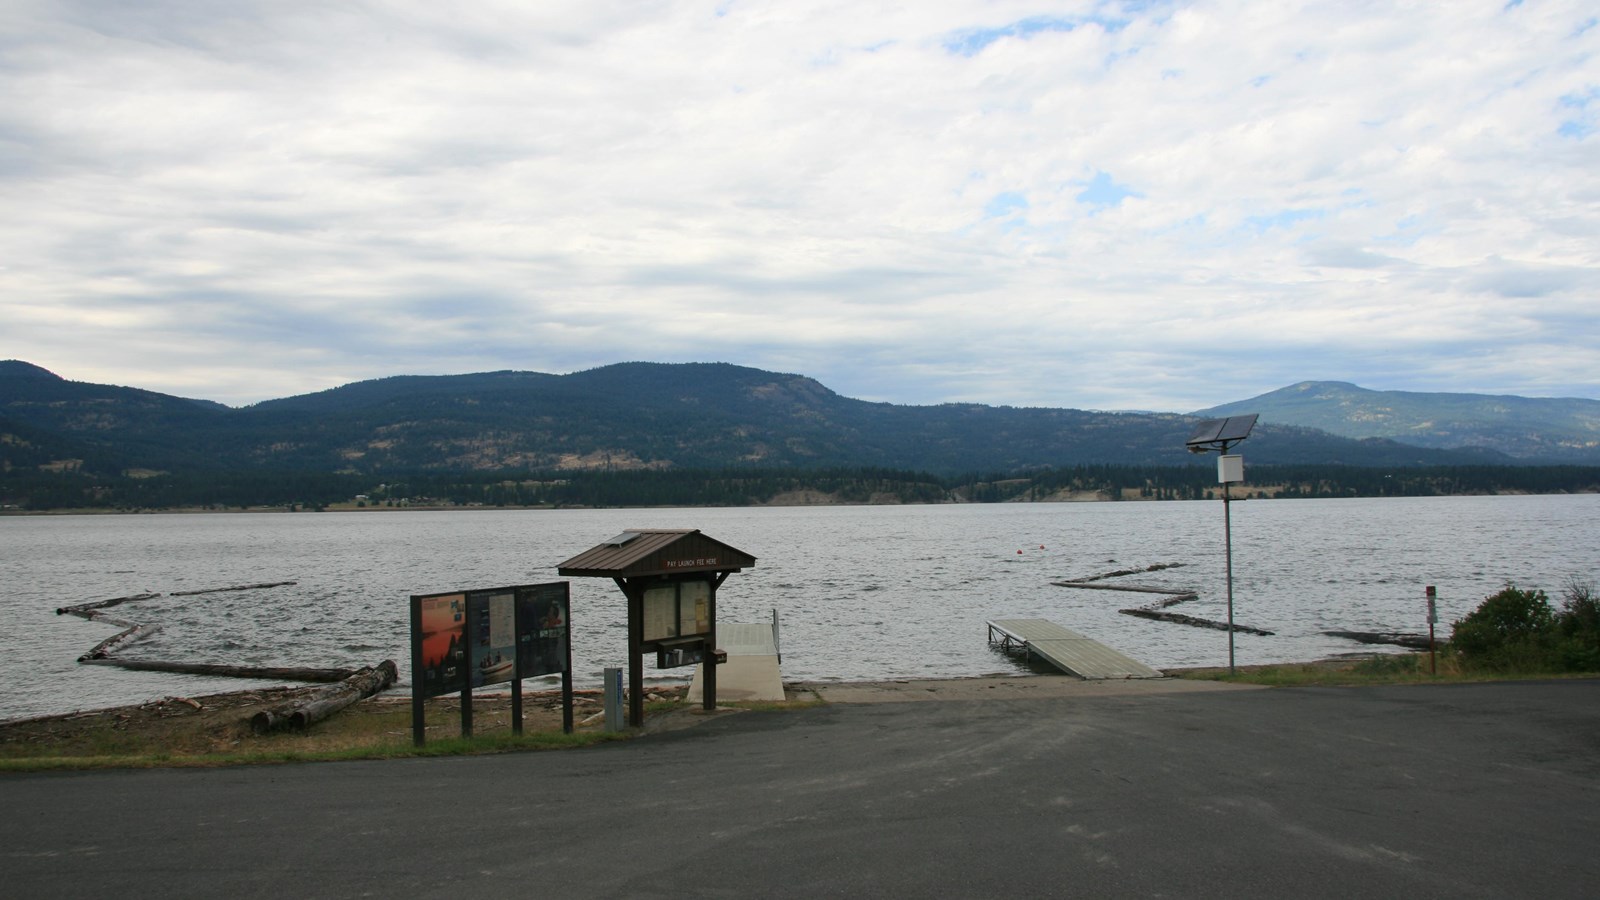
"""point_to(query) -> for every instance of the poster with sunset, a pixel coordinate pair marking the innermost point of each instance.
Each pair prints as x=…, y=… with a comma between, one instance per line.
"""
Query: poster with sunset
x=441, y=643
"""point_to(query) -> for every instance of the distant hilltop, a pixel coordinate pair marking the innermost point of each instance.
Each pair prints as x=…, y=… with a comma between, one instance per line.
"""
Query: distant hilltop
x=1520, y=427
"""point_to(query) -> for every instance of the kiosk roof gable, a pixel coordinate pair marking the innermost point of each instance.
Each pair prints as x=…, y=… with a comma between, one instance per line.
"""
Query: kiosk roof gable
x=656, y=551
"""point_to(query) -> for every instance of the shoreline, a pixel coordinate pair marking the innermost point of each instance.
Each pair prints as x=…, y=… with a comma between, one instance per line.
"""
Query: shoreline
x=1265, y=492
x=961, y=688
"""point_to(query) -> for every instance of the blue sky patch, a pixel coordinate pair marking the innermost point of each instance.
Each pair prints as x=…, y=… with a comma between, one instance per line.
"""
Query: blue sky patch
x=1582, y=110
x=1101, y=191
x=971, y=41
x=1002, y=205
x=1283, y=219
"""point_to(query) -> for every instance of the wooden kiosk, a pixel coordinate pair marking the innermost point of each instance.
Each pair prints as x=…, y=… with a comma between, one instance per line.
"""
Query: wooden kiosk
x=670, y=577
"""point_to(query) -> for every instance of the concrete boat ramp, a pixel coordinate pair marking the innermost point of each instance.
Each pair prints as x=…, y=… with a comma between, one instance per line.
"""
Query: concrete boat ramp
x=751, y=672
x=1066, y=649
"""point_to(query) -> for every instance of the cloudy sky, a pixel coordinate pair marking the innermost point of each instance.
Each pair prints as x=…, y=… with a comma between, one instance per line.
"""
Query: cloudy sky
x=1135, y=205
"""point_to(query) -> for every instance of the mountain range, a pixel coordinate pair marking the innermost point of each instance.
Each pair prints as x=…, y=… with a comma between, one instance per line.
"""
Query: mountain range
x=716, y=415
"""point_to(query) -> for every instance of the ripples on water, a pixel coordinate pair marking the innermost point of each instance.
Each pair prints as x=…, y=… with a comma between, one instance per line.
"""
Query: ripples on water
x=862, y=592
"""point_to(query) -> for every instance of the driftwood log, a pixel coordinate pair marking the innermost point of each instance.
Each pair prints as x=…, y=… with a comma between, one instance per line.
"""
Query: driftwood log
x=132, y=632
x=86, y=610
x=307, y=711
x=237, y=587
x=1397, y=638
x=1118, y=574
x=265, y=673
x=1136, y=588
x=1197, y=622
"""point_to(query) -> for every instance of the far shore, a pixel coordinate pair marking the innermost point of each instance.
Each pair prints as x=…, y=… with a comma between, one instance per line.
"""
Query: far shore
x=1266, y=492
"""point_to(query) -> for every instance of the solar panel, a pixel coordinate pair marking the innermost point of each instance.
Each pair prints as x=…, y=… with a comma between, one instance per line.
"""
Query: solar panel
x=1237, y=428
x=1222, y=431
x=621, y=539
x=1206, y=431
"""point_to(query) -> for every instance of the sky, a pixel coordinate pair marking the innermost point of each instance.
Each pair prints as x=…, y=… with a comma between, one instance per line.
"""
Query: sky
x=1123, y=205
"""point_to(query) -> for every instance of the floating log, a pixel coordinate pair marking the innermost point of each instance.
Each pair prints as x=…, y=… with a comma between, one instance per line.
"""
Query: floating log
x=1397, y=638
x=85, y=609
x=237, y=587
x=265, y=673
x=1181, y=619
x=307, y=711
x=133, y=633
x=1136, y=588
x=1119, y=573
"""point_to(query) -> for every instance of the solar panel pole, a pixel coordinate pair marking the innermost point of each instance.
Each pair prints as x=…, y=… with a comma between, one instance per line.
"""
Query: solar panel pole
x=1227, y=543
x=1222, y=435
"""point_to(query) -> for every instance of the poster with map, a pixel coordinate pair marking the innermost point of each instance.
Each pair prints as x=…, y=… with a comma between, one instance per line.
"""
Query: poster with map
x=492, y=626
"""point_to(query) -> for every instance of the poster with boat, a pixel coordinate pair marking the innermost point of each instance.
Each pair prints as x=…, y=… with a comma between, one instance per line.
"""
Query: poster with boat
x=492, y=625
x=544, y=628
x=439, y=641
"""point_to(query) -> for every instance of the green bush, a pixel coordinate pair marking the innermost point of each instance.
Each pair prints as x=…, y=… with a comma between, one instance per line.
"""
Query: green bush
x=1518, y=631
x=1578, y=629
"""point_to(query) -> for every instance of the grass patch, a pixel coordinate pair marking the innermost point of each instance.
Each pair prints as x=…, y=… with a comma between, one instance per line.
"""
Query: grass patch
x=214, y=731
x=495, y=743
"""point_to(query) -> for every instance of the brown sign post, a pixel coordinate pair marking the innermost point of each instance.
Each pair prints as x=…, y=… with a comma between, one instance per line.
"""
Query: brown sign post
x=670, y=578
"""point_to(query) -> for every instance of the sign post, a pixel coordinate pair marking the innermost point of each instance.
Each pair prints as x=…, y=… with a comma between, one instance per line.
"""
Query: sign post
x=1433, y=616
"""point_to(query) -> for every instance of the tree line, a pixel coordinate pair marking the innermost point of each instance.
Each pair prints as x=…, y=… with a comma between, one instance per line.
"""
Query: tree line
x=31, y=490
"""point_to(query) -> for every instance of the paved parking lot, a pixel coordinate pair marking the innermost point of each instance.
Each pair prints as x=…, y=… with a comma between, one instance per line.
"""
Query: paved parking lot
x=1427, y=791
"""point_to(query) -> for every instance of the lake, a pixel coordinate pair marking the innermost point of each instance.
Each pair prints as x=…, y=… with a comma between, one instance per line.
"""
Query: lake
x=863, y=592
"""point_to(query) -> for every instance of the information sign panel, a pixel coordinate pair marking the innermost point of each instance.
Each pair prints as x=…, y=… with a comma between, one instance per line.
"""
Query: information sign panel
x=469, y=639
x=543, y=622
x=677, y=609
x=440, y=663
x=661, y=613
x=492, y=618
x=694, y=607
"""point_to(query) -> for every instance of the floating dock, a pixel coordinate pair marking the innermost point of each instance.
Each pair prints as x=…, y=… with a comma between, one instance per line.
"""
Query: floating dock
x=1066, y=649
x=751, y=672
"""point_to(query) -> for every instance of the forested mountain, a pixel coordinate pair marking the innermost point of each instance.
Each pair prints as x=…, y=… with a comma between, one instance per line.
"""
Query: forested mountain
x=620, y=417
x=651, y=434
x=1549, y=429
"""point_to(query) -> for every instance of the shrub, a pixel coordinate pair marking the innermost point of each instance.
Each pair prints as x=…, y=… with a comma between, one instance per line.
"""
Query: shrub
x=1577, y=627
x=1509, y=631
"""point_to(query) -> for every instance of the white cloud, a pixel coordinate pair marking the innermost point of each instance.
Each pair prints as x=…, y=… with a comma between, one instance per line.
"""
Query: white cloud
x=1160, y=206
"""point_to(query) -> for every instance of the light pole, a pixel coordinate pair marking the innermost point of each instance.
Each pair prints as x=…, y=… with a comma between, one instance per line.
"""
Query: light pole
x=1221, y=435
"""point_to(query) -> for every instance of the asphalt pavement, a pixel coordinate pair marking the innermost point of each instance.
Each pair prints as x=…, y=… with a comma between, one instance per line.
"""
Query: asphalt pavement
x=1458, y=791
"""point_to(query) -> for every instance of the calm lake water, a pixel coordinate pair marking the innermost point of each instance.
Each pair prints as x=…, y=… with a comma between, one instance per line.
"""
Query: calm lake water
x=862, y=592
